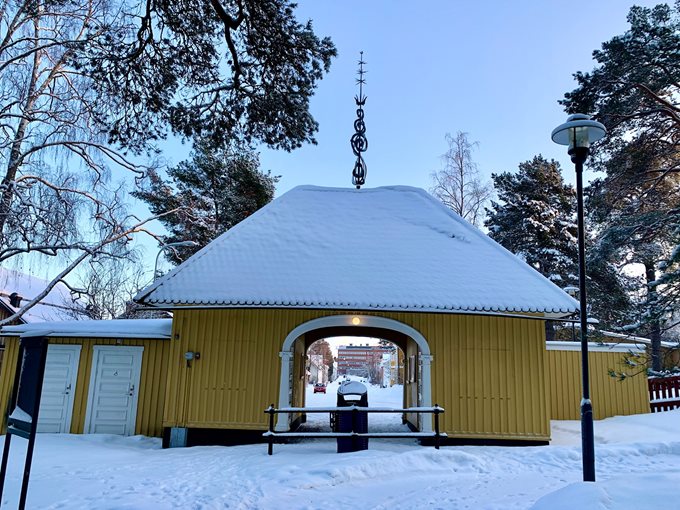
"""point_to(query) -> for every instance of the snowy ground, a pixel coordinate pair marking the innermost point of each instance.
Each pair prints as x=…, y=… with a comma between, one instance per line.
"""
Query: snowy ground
x=377, y=397
x=638, y=467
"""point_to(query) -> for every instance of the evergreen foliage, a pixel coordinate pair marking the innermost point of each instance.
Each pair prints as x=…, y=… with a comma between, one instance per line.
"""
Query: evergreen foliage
x=219, y=70
x=212, y=192
x=608, y=290
x=635, y=86
x=534, y=218
x=631, y=213
x=635, y=208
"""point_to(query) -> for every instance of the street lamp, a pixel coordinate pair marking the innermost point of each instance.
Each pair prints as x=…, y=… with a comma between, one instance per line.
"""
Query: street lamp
x=578, y=133
x=163, y=247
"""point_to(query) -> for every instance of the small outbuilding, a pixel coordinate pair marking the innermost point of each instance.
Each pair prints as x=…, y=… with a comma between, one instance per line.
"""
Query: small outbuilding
x=101, y=376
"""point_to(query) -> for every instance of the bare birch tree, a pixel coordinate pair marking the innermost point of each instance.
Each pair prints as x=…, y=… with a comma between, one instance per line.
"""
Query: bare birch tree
x=109, y=284
x=82, y=82
x=56, y=196
x=458, y=183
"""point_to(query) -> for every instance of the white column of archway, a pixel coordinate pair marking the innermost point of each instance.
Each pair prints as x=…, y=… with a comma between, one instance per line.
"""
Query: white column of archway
x=283, y=419
x=426, y=419
x=370, y=321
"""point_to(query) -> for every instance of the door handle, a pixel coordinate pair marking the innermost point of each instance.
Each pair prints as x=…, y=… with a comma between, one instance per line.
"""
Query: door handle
x=131, y=391
x=67, y=391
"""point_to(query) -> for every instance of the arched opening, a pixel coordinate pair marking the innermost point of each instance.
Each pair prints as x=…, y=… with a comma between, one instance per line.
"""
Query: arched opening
x=380, y=365
x=293, y=374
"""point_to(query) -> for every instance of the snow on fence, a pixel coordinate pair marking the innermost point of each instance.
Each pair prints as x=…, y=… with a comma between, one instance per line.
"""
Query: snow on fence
x=664, y=393
x=271, y=435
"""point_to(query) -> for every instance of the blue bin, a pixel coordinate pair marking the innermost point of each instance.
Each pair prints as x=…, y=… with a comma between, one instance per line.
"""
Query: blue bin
x=352, y=393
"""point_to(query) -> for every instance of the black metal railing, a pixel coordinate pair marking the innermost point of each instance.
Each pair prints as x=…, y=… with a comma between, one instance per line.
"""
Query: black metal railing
x=272, y=435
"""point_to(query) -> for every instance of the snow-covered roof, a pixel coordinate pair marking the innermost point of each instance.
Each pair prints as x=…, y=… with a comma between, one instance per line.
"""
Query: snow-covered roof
x=592, y=346
x=118, y=328
x=390, y=248
x=636, y=339
x=57, y=305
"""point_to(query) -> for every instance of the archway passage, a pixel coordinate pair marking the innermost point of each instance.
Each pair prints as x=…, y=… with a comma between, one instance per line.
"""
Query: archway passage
x=378, y=364
x=415, y=347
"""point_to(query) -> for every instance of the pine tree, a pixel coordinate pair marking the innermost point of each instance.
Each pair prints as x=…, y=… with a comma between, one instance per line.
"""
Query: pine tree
x=212, y=192
x=634, y=227
x=636, y=84
x=635, y=91
x=534, y=219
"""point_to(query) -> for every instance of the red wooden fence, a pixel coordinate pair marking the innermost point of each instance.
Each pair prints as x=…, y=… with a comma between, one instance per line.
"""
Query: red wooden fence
x=664, y=393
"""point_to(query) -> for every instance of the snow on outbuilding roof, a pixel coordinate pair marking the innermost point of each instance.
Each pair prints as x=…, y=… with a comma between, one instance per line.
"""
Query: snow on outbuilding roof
x=57, y=305
x=117, y=328
x=391, y=248
x=636, y=339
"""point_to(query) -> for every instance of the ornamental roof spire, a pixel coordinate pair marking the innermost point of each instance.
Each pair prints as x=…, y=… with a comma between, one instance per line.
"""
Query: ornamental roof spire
x=358, y=141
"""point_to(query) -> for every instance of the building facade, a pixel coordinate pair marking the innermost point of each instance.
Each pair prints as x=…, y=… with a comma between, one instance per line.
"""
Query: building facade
x=361, y=360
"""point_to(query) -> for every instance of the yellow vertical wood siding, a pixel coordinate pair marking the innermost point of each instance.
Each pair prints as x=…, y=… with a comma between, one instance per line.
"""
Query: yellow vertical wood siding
x=7, y=376
x=151, y=386
x=488, y=372
x=610, y=396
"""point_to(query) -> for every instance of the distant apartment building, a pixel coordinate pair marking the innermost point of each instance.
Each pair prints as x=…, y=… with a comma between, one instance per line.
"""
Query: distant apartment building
x=361, y=360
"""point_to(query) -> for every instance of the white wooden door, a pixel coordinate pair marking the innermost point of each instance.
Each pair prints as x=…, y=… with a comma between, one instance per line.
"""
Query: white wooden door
x=114, y=388
x=59, y=385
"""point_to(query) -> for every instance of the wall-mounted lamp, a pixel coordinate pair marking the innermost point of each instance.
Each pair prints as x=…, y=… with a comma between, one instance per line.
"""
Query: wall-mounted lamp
x=356, y=321
x=190, y=356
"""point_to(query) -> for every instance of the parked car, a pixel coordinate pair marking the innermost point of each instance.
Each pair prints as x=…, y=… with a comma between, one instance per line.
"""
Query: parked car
x=319, y=388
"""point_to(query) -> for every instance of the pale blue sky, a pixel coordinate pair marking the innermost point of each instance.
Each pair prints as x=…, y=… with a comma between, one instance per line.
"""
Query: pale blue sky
x=494, y=69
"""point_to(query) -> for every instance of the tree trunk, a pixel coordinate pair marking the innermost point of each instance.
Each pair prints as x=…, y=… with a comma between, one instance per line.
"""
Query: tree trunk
x=15, y=155
x=10, y=175
x=655, y=326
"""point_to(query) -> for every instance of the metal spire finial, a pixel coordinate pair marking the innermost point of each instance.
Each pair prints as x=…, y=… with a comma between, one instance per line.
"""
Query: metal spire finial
x=358, y=141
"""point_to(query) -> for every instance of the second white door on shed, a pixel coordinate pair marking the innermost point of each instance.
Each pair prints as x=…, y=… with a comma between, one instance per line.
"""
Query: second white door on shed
x=114, y=388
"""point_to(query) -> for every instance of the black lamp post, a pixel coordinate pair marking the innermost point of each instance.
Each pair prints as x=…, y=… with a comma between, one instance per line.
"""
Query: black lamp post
x=578, y=133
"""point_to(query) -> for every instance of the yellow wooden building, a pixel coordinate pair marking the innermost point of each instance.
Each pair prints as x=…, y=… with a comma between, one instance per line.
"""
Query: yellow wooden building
x=390, y=263
x=610, y=395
